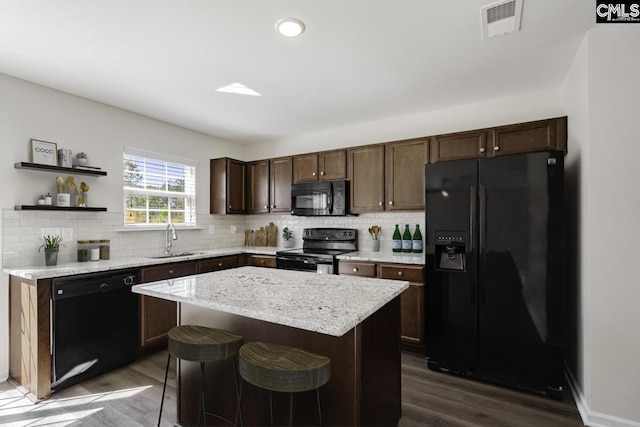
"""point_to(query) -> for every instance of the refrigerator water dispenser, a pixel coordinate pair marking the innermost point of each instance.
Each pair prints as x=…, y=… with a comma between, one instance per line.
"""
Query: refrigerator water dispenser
x=450, y=250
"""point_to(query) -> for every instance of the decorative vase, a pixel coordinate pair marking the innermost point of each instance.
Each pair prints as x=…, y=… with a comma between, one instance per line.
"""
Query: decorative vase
x=287, y=243
x=50, y=257
x=82, y=161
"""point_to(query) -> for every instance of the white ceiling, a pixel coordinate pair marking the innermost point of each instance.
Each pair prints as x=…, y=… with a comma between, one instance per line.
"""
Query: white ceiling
x=357, y=61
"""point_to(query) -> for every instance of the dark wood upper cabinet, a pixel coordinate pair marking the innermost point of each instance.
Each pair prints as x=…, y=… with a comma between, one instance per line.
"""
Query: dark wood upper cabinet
x=269, y=186
x=540, y=135
x=322, y=166
x=258, y=187
x=456, y=146
x=405, y=161
x=227, y=186
x=365, y=170
x=280, y=192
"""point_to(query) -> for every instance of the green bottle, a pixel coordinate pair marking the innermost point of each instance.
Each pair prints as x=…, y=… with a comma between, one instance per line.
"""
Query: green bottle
x=396, y=243
x=417, y=240
x=407, y=243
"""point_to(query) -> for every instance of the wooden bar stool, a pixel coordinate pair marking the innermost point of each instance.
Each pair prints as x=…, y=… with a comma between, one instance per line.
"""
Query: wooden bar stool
x=281, y=368
x=202, y=344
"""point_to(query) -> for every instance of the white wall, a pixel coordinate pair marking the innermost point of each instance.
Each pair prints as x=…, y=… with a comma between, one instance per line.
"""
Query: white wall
x=31, y=111
x=602, y=98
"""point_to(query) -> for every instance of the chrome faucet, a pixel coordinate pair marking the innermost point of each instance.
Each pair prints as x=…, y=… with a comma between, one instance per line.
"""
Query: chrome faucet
x=170, y=234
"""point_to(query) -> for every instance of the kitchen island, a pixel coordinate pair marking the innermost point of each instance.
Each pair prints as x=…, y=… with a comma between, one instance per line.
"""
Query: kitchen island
x=353, y=321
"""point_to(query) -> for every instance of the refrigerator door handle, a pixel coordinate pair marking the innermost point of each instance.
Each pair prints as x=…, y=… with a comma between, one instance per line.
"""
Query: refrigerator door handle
x=473, y=197
x=481, y=241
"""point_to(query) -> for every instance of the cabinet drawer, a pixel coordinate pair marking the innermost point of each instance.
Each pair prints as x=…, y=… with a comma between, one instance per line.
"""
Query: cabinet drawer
x=411, y=273
x=167, y=271
x=362, y=269
x=261, y=261
x=216, y=264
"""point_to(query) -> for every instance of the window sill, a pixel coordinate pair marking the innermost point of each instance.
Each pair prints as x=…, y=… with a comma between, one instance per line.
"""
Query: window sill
x=158, y=228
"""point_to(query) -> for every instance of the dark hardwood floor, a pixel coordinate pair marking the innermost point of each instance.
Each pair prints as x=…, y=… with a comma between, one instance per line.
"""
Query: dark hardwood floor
x=131, y=397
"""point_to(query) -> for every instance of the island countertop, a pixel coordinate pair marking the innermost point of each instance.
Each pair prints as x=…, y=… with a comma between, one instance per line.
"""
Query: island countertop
x=329, y=304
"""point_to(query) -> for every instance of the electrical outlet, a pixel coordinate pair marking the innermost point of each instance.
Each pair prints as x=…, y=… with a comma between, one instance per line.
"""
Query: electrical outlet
x=234, y=229
x=50, y=232
x=67, y=234
x=212, y=229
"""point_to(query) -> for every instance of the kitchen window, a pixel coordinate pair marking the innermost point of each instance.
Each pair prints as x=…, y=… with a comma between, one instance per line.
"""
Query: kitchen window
x=158, y=189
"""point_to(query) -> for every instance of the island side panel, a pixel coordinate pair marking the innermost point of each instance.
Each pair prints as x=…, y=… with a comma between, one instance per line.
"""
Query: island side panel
x=29, y=356
x=364, y=388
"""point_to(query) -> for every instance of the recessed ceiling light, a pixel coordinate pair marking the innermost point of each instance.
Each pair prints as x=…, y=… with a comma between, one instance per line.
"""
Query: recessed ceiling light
x=238, y=88
x=290, y=27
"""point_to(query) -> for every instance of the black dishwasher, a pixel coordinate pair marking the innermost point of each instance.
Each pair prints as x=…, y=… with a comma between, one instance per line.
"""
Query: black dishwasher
x=94, y=325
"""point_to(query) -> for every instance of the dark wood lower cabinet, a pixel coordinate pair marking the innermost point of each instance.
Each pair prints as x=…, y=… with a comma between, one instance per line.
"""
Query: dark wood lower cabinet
x=411, y=300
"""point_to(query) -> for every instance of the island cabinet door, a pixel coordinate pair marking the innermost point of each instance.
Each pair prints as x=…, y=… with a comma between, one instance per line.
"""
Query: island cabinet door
x=158, y=316
x=362, y=269
x=411, y=304
x=219, y=263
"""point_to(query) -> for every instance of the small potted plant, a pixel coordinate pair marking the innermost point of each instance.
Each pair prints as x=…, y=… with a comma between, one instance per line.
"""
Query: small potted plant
x=287, y=237
x=51, y=245
x=82, y=159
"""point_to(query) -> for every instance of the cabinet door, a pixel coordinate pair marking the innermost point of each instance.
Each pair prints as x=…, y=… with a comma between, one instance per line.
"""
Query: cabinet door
x=305, y=167
x=405, y=161
x=332, y=165
x=542, y=135
x=411, y=303
x=281, y=175
x=366, y=171
x=236, y=185
x=158, y=316
x=258, y=187
x=219, y=263
x=456, y=146
x=227, y=186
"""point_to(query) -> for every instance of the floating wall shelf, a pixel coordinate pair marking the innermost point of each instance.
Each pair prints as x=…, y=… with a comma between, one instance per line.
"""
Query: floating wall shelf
x=56, y=208
x=36, y=166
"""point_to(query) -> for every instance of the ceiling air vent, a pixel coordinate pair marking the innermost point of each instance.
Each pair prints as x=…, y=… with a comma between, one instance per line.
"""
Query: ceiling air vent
x=501, y=18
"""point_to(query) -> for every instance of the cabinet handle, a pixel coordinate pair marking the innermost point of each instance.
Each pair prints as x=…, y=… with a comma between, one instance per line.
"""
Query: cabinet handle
x=170, y=271
x=355, y=269
x=390, y=202
x=313, y=174
x=380, y=203
x=482, y=150
x=219, y=264
x=229, y=206
x=322, y=173
x=261, y=261
x=266, y=207
x=273, y=206
x=496, y=148
x=399, y=273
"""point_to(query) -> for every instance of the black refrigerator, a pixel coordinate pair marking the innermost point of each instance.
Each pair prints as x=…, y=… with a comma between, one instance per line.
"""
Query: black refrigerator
x=495, y=291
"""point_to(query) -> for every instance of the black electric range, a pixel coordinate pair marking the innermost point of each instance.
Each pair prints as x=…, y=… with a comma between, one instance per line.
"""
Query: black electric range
x=320, y=247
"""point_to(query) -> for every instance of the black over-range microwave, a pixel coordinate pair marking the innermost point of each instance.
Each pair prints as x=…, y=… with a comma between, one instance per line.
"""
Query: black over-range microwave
x=322, y=198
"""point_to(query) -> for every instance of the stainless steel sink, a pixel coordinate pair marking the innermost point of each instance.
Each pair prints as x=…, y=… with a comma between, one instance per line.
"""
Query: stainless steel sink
x=179, y=254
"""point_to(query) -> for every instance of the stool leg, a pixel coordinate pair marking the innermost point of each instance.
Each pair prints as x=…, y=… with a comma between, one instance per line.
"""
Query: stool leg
x=270, y=408
x=239, y=409
x=202, y=400
x=164, y=387
x=290, y=409
x=238, y=391
x=319, y=410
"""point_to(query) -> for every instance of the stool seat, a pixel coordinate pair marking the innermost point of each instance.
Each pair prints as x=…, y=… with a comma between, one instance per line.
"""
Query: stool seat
x=281, y=368
x=202, y=344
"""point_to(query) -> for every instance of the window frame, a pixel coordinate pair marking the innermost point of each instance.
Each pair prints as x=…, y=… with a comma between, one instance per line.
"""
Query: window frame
x=189, y=194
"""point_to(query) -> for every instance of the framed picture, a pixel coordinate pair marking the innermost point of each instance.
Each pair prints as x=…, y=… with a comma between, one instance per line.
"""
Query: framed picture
x=44, y=153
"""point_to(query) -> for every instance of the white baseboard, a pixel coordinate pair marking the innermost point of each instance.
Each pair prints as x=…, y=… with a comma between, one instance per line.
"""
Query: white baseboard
x=591, y=418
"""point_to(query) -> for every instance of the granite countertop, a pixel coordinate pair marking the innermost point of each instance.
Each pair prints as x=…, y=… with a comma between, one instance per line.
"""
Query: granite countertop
x=383, y=256
x=325, y=303
x=70, y=268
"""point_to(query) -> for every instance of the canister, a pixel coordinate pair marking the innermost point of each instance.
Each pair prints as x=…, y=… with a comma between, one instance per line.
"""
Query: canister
x=83, y=250
x=105, y=248
x=94, y=251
